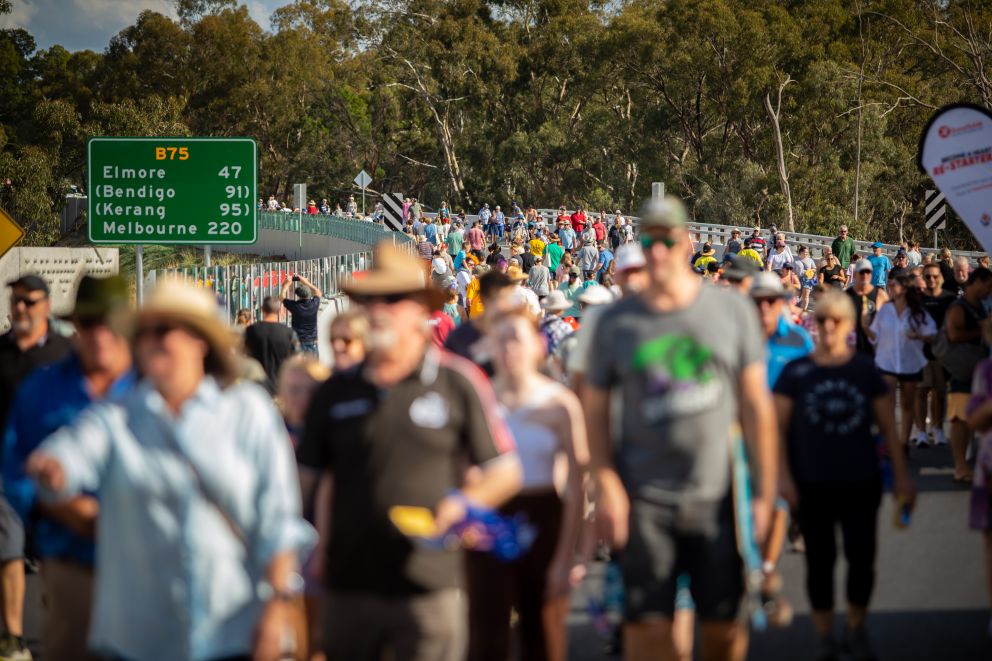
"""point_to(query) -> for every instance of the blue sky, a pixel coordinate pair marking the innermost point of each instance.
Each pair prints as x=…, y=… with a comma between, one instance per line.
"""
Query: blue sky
x=82, y=24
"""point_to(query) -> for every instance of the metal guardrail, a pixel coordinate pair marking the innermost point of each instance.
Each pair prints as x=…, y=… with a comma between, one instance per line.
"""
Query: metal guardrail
x=719, y=234
x=245, y=286
x=359, y=231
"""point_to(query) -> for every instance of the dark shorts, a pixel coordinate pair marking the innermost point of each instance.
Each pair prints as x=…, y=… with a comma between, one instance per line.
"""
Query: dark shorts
x=695, y=539
x=11, y=533
x=912, y=377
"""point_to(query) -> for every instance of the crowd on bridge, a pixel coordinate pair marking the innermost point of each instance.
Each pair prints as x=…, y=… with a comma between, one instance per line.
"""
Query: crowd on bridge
x=516, y=397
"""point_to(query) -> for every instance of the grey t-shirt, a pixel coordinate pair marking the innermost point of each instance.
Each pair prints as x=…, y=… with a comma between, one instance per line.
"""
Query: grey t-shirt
x=540, y=280
x=678, y=375
x=588, y=258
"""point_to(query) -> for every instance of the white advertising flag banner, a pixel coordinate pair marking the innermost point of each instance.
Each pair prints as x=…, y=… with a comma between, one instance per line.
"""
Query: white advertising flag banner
x=956, y=152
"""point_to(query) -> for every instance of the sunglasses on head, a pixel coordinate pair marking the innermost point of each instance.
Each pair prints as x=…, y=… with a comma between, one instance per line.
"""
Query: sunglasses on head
x=28, y=302
x=647, y=241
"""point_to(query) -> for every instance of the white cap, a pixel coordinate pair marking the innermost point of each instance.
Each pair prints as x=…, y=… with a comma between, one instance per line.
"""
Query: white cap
x=596, y=295
x=630, y=256
x=863, y=265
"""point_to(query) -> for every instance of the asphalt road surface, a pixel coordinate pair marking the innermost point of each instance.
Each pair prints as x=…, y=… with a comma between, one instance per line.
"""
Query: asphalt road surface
x=929, y=603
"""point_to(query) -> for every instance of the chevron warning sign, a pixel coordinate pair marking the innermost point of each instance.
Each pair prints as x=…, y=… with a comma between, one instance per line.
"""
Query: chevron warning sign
x=393, y=203
x=936, y=210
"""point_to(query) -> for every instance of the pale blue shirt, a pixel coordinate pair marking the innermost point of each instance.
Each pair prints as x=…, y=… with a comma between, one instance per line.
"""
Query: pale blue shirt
x=172, y=579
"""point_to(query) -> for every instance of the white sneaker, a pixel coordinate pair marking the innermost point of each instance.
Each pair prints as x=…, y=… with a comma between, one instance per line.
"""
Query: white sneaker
x=921, y=440
x=938, y=437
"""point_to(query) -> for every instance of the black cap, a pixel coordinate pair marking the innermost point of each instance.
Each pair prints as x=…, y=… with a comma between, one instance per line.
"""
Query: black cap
x=740, y=267
x=30, y=282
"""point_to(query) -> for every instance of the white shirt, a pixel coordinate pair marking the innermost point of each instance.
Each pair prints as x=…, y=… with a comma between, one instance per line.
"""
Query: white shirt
x=894, y=352
x=777, y=260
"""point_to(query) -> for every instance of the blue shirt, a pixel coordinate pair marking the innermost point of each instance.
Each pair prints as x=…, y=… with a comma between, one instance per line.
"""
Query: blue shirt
x=173, y=581
x=786, y=344
x=567, y=236
x=48, y=399
x=430, y=231
x=880, y=267
x=605, y=257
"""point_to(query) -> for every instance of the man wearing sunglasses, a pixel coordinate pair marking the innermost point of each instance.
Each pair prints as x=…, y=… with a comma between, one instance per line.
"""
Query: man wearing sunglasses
x=786, y=341
x=63, y=533
x=394, y=434
x=686, y=384
x=29, y=343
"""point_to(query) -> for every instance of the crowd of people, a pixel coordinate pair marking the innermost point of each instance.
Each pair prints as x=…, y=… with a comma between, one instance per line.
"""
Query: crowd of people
x=193, y=491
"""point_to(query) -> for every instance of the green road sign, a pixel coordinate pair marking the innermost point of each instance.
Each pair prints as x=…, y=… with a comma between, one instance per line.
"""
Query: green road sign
x=172, y=190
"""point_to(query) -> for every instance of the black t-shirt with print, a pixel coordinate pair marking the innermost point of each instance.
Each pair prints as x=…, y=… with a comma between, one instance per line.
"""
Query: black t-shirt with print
x=829, y=435
x=405, y=445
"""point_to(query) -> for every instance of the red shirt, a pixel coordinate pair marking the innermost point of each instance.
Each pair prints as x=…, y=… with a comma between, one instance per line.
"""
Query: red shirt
x=476, y=238
x=312, y=209
x=441, y=325
x=578, y=221
x=600, y=230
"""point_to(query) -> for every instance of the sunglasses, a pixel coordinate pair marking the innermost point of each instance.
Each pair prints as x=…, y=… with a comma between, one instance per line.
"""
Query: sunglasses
x=346, y=341
x=934, y=276
x=388, y=299
x=156, y=331
x=647, y=241
x=761, y=302
x=28, y=302
x=822, y=319
x=864, y=272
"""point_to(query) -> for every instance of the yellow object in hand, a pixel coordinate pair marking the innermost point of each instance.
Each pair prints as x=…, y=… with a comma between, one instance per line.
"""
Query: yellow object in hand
x=413, y=521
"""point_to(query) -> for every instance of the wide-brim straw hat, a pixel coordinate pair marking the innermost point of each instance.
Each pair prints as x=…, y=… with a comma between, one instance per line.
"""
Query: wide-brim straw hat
x=394, y=271
x=516, y=274
x=195, y=309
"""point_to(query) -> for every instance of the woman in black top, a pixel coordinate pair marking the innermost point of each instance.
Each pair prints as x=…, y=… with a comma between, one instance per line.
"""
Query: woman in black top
x=827, y=403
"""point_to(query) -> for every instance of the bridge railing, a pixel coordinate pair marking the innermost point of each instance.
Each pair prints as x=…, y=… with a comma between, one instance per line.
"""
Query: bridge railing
x=245, y=286
x=359, y=231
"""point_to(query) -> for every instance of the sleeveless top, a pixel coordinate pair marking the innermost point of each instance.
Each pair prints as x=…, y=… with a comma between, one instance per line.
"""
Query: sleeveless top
x=537, y=445
x=863, y=344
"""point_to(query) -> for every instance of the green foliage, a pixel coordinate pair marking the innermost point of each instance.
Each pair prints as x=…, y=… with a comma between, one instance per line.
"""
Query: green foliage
x=538, y=101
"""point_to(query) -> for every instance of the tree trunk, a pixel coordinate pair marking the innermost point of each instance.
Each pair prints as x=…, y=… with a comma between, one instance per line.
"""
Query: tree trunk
x=783, y=175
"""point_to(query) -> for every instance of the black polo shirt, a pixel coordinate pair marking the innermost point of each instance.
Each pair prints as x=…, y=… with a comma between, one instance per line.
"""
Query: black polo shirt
x=404, y=445
x=16, y=364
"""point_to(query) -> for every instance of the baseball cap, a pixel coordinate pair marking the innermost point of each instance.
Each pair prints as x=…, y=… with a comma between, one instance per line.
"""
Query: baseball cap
x=630, y=256
x=30, y=282
x=766, y=285
x=863, y=265
x=877, y=244
x=667, y=212
x=575, y=270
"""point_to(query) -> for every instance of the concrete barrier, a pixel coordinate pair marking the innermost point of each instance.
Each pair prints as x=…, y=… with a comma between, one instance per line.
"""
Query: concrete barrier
x=60, y=267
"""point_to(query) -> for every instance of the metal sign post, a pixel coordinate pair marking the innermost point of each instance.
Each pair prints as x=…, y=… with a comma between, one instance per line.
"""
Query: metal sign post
x=657, y=190
x=363, y=180
x=299, y=201
x=139, y=269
